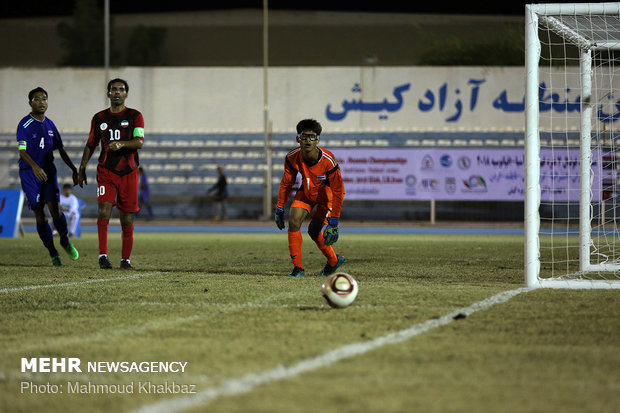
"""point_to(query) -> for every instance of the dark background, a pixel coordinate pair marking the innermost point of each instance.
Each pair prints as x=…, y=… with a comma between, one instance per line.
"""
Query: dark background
x=65, y=7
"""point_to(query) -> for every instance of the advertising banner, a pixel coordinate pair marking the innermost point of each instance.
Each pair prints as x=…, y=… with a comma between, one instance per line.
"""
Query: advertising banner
x=11, y=202
x=460, y=174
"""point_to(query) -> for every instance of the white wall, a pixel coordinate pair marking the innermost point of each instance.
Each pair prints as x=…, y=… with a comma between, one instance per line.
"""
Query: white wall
x=223, y=99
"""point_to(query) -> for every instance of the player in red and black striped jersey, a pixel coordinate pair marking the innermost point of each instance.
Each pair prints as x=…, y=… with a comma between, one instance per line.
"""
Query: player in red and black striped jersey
x=119, y=131
x=108, y=127
x=321, y=186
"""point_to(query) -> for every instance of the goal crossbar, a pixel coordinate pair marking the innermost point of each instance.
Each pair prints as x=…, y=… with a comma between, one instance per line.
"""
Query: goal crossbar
x=562, y=9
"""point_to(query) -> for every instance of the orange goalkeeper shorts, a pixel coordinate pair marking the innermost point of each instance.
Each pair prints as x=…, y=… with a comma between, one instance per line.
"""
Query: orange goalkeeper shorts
x=324, y=206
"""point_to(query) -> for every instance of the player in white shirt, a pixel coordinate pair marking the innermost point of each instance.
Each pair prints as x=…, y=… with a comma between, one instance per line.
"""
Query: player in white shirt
x=70, y=206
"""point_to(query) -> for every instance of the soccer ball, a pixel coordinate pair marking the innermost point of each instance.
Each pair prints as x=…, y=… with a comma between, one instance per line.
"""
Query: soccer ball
x=339, y=290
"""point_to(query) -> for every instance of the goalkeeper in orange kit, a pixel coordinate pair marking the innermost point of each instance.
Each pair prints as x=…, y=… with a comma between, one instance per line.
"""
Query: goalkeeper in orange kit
x=321, y=186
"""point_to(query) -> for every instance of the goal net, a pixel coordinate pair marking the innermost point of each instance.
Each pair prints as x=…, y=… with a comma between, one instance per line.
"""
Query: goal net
x=572, y=234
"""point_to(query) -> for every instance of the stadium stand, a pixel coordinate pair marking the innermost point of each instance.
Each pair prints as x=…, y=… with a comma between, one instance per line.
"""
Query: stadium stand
x=181, y=168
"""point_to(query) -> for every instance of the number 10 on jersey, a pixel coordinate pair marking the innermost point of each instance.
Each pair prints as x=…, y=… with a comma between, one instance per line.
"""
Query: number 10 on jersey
x=115, y=134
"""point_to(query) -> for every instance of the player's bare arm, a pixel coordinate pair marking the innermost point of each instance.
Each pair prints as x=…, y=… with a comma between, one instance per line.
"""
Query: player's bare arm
x=135, y=143
x=88, y=153
x=38, y=171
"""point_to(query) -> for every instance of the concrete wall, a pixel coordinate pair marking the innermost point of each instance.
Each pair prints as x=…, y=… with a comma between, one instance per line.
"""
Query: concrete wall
x=230, y=99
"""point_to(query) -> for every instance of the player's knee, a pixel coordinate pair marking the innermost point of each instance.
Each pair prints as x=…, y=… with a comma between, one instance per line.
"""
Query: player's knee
x=104, y=210
x=126, y=219
x=54, y=211
x=39, y=216
x=294, y=225
x=314, y=233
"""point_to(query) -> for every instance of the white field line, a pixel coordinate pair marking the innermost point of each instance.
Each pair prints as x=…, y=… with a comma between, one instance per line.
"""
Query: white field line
x=72, y=283
x=247, y=383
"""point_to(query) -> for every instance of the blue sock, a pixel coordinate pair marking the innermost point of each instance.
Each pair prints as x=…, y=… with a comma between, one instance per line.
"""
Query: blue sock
x=45, y=233
x=61, y=227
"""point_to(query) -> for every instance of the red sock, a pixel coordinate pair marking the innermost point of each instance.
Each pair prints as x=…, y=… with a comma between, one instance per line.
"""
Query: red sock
x=294, y=247
x=127, y=238
x=102, y=232
x=327, y=250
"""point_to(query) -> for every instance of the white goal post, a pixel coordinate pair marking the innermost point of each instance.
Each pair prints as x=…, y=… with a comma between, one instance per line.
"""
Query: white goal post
x=572, y=106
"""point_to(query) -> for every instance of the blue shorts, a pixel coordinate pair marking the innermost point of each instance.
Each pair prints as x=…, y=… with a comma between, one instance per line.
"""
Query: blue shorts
x=39, y=193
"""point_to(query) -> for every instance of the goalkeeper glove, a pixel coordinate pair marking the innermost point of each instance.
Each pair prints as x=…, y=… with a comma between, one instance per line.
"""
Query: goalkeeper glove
x=331, y=232
x=280, y=217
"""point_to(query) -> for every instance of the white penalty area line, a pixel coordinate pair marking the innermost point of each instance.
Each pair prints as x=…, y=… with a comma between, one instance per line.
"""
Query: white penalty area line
x=247, y=383
x=72, y=283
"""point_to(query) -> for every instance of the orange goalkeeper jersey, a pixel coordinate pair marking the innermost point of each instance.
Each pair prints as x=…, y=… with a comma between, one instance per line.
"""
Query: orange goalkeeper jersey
x=320, y=183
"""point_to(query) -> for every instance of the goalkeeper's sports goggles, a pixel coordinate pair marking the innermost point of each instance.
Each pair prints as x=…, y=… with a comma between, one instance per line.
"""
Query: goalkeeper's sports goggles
x=308, y=137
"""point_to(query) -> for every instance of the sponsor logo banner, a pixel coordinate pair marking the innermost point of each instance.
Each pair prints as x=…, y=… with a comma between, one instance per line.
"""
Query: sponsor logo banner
x=464, y=174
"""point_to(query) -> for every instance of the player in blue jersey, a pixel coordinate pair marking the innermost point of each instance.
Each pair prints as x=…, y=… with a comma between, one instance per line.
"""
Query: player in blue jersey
x=37, y=138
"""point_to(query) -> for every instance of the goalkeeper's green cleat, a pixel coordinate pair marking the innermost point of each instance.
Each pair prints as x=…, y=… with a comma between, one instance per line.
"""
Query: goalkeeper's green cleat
x=329, y=270
x=297, y=272
x=56, y=261
x=71, y=251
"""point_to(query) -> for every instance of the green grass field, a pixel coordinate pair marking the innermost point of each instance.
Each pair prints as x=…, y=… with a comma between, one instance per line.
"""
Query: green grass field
x=257, y=341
